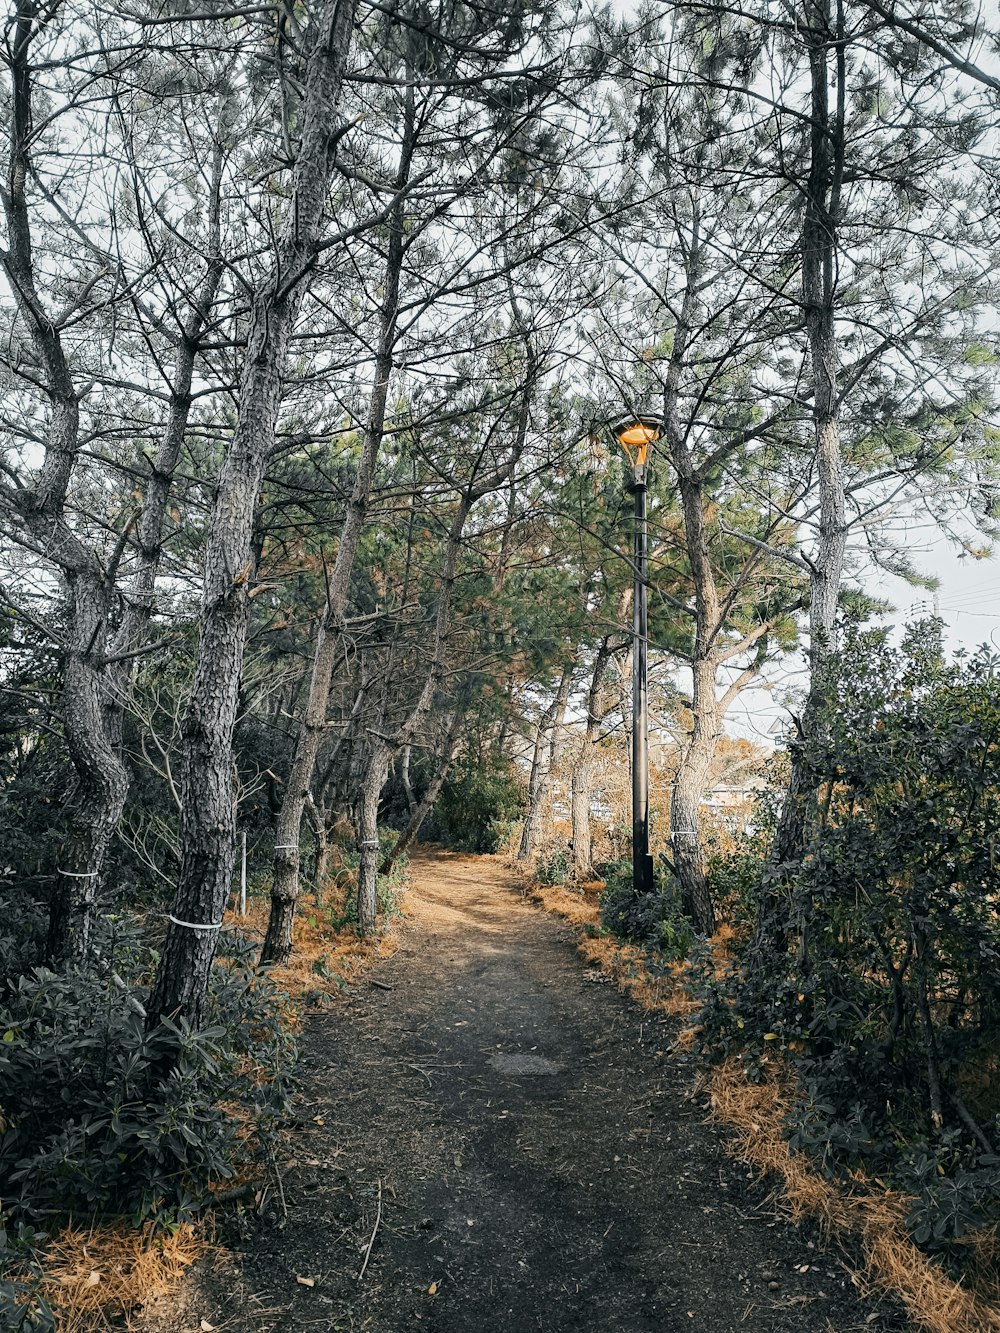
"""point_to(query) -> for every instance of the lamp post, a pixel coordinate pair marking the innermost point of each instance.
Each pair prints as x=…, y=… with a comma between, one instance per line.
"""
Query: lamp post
x=636, y=434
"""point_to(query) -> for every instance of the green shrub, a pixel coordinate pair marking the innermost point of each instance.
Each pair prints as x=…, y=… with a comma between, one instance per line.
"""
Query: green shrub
x=22, y=1308
x=90, y=1127
x=877, y=972
x=553, y=868
x=654, y=920
x=478, y=806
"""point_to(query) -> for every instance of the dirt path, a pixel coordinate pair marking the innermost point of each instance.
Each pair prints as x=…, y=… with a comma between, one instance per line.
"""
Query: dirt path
x=530, y=1152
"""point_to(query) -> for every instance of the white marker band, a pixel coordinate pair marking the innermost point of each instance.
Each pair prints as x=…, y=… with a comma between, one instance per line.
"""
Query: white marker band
x=80, y=874
x=194, y=925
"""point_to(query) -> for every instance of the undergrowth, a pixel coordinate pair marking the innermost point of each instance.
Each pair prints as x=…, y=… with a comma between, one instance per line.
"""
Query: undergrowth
x=88, y=1130
x=873, y=976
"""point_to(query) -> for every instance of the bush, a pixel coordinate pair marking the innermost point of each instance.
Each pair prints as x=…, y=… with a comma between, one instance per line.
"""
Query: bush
x=478, y=805
x=554, y=868
x=22, y=1308
x=655, y=920
x=90, y=1127
x=878, y=973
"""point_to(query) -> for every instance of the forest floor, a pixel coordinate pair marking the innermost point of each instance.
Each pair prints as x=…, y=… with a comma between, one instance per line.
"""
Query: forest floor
x=523, y=1147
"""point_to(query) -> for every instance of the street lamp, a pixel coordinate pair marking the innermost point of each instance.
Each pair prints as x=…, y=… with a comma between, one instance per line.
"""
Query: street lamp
x=636, y=434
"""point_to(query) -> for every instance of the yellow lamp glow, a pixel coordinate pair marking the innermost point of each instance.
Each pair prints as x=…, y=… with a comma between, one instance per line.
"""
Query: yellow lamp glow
x=635, y=435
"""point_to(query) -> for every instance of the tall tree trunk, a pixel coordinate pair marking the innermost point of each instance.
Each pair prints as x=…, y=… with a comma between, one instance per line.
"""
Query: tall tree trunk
x=208, y=816
x=404, y=777
x=140, y=596
x=372, y=784
x=285, y=879
x=819, y=279
x=541, y=762
x=583, y=769
x=686, y=797
x=321, y=837
x=697, y=753
x=422, y=809
x=101, y=782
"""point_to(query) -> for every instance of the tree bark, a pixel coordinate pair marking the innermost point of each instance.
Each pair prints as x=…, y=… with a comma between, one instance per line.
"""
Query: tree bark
x=545, y=748
x=208, y=816
x=697, y=753
x=101, y=781
x=285, y=878
x=404, y=777
x=819, y=278
x=373, y=782
x=583, y=770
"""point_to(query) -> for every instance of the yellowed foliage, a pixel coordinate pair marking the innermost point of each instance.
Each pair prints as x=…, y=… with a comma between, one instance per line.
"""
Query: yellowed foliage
x=870, y=1215
x=867, y=1213
x=98, y=1277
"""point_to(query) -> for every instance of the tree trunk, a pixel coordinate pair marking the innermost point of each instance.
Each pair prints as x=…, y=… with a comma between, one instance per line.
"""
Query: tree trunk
x=819, y=278
x=697, y=754
x=321, y=838
x=421, y=810
x=583, y=770
x=404, y=777
x=285, y=879
x=376, y=773
x=207, y=818
x=545, y=749
x=101, y=781
x=685, y=823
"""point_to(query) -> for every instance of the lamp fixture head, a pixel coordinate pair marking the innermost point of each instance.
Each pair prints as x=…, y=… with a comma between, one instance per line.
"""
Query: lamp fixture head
x=636, y=434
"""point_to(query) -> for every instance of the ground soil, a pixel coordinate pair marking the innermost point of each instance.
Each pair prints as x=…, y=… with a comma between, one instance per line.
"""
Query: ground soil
x=525, y=1150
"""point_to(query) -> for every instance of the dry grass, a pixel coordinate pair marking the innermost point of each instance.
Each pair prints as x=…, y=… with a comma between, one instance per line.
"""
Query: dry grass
x=623, y=963
x=98, y=1278
x=870, y=1217
x=323, y=958
x=873, y=1218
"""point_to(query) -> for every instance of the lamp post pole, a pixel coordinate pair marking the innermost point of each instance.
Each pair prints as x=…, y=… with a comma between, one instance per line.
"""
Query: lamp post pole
x=642, y=862
x=637, y=435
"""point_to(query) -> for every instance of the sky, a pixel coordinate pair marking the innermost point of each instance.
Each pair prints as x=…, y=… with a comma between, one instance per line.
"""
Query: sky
x=967, y=599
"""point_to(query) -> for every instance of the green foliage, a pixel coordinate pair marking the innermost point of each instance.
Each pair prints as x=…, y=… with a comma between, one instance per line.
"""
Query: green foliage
x=388, y=888
x=554, y=867
x=89, y=1124
x=877, y=971
x=22, y=1308
x=479, y=805
x=655, y=920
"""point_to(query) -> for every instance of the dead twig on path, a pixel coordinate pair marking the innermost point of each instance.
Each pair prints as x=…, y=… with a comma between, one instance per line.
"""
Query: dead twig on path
x=371, y=1241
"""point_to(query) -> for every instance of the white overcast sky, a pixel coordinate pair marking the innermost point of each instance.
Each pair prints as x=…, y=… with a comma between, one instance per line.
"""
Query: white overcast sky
x=968, y=601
